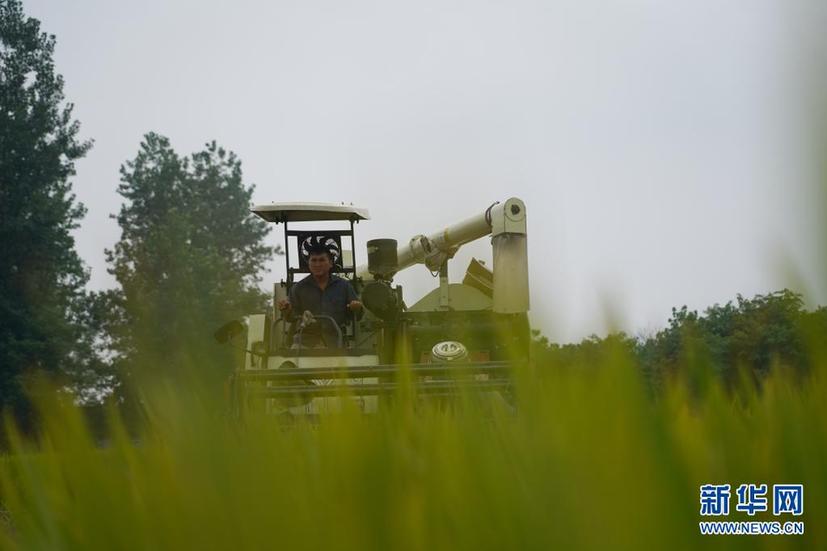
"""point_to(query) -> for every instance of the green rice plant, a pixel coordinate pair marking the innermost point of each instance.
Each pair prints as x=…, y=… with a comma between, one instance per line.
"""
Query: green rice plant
x=585, y=459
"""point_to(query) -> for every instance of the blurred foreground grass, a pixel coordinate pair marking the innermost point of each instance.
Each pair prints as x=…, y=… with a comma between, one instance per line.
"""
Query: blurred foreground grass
x=588, y=459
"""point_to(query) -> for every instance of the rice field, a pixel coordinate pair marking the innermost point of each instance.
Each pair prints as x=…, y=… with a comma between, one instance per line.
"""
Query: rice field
x=586, y=459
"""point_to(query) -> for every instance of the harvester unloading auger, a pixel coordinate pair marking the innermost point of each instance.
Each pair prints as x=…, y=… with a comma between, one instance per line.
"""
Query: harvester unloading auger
x=458, y=336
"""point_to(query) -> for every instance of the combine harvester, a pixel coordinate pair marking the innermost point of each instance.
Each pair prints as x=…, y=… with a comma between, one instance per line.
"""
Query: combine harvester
x=458, y=336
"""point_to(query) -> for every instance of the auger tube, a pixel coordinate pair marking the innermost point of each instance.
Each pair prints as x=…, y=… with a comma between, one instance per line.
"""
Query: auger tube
x=506, y=223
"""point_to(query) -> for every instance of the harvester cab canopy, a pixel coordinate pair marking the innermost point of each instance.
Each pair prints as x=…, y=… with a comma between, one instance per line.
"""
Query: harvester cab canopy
x=300, y=240
x=309, y=212
x=304, y=239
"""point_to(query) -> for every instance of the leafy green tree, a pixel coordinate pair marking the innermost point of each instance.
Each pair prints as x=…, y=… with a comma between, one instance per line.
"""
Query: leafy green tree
x=188, y=259
x=42, y=277
x=590, y=352
x=748, y=336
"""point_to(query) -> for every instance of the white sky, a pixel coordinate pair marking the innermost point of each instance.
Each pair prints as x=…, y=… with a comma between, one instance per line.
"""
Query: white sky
x=659, y=146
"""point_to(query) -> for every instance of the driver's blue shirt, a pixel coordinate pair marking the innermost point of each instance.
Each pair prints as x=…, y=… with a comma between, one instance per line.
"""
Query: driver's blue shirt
x=332, y=301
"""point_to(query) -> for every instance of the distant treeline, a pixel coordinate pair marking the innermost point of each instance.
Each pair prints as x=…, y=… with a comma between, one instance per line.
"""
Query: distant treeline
x=746, y=338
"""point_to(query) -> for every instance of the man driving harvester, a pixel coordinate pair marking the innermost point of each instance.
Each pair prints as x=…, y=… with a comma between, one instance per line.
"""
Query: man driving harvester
x=324, y=295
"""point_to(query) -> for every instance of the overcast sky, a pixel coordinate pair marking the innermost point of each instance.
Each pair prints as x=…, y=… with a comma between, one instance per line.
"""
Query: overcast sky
x=660, y=146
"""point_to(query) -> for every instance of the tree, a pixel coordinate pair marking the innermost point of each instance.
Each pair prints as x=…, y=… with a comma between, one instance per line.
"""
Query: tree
x=42, y=277
x=727, y=343
x=749, y=336
x=188, y=259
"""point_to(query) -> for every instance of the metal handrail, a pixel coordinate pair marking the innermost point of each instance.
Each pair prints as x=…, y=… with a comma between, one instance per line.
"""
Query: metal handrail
x=430, y=387
x=382, y=370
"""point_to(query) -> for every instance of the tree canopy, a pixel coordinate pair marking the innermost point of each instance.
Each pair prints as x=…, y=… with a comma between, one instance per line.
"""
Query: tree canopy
x=42, y=278
x=749, y=336
x=188, y=259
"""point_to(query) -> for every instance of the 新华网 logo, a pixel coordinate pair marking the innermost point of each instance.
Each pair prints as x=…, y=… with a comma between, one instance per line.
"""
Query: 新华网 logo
x=786, y=499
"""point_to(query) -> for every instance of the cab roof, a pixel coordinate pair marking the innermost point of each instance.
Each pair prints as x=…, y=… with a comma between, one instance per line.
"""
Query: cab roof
x=309, y=212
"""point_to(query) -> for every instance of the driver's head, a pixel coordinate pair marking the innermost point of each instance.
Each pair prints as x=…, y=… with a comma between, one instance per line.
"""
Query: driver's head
x=319, y=261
